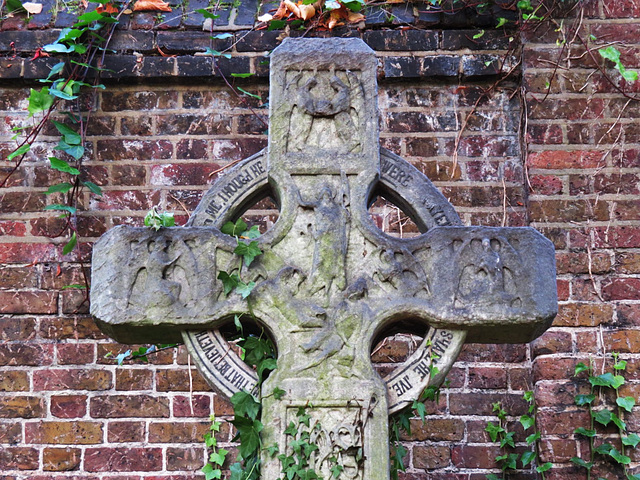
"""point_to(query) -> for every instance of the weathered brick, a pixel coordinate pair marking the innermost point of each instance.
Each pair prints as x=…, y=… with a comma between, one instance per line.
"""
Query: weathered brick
x=106, y=459
x=122, y=406
x=575, y=210
x=19, y=458
x=436, y=430
x=126, y=431
x=570, y=262
x=70, y=433
x=21, y=406
x=23, y=354
x=178, y=432
x=487, y=377
x=14, y=381
x=64, y=328
x=61, y=459
x=10, y=433
x=187, y=458
x=72, y=379
x=401, y=40
x=474, y=404
x=75, y=353
x=561, y=159
x=583, y=315
x=621, y=288
x=174, y=380
x=134, y=379
x=192, y=406
x=431, y=456
x=68, y=406
x=34, y=301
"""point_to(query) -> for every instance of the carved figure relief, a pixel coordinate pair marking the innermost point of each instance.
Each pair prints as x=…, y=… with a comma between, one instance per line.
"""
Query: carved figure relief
x=163, y=279
x=338, y=434
x=487, y=269
x=400, y=271
x=326, y=111
x=329, y=231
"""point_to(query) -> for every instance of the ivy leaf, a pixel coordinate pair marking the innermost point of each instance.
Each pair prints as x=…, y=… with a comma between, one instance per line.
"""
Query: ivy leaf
x=39, y=101
x=95, y=189
x=582, y=400
x=508, y=441
x=60, y=207
x=248, y=434
x=631, y=441
x=580, y=367
x=620, y=365
x=252, y=233
x=70, y=136
x=245, y=289
x=206, y=13
x=544, y=467
x=59, y=188
x=234, y=229
x=211, y=473
x=527, y=458
x=229, y=282
x=478, y=35
x=63, y=166
x=336, y=470
x=619, y=457
x=218, y=457
x=257, y=349
x=242, y=75
x=71, y=244
x=618, y=422
x=581, y=463
x=266, y=364
x=236, y=471
x=603, y=417
x=527, y=421
x=501, y=22
x=244, y=405
x=291, y=429
x=627, y=403
x=121, y=357
x=493, y=431
x=253, y=95
x=76, y=151
x=604, y=449
x=248, y=251
x=534, y=437
x=420, y=409
x=19, y=151
x=607, y=380
x=585, y=432
x=278, y=393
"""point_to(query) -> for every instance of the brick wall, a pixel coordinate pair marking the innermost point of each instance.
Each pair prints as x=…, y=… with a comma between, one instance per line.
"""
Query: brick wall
x=67, y=412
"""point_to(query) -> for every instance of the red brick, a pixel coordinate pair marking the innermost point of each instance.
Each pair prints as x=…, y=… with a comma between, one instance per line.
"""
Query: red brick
x=19, y=301
x=627, y=209
x=113, y=150
x=58, y=275
x=555, y=368
x=13, y=228
x=487, y=377
x=583, y=315
x=178, y=432
x=621, y=289
x=65, y=328
x=70, y=433
x=61, y=459
x=10, y=433
x=128, y=175
x=575, y=210
x=117, y=101
x=568, y=109
x=546, y=184
x=481, y=404
x=18, y=277
x=628, y=315
x=583, y=290
x=563, y=288
x=192, y=406
x=558, y=450
x=545, y=134
x=21, y=407
x=134, y=379
x=126, y=200
x=587, y=342
x=622, y=341
x=504, y=353
x=123, y=431
x=561, y=423
x=563, y=159
x=68, y=406
x=570, y=262
x=431, y=456
x=122, y=459
x=122, y=406
x=14, y=354
x=137, y=126
x=607, y=237
x=622, y=9
x=182, y=174
x=187, y=458
x=436, y=430
x=75, y=353
x=18, y=458
x=475, y=456
x=71, y=379
x=552, y=341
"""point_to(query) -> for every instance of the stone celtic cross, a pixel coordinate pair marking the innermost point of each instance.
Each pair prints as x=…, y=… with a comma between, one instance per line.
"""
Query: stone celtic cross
x=329, y=283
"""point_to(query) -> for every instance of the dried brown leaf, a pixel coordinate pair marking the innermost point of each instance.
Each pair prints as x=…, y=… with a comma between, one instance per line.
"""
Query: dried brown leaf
x=151, y=5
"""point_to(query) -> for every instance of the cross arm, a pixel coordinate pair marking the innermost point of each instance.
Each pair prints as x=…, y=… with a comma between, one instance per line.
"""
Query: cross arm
x=147, y=283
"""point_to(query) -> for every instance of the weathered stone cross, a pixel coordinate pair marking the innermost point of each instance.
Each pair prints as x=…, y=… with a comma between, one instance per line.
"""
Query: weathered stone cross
x=329, y=283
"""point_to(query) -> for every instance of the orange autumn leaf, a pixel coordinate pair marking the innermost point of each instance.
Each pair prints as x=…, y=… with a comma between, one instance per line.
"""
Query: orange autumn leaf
x=147, y=5
x=107, y=8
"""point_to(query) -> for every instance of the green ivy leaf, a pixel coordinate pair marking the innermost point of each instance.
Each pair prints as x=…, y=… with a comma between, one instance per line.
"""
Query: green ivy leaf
x=607, y=380
x=248, y=434
x=527, y=421
x=268, y=364
x=604, y=449
x=603, y=417
x=534, y=437
x=60, y=207
x=76, y=151
x=245, y=289
x=69, y=135
x=211, y=473
x=245, y=405
x=420, y=409
x=39, y=101
x=19, y=151
x=62, y=166
x=544, y=467
x=478, y=35
x=291, y=429
x=242, y=75
x=236, y=471
x=581, y=463
x=582, y=400
x=626, y=402
x=618, y=422
x=217, y=458
x=581, y=367
x=336, y=470
x=507, y=440
x=59, y=188
x=95, y=189
x=620, y=365
x=527, y=458
x=585, y=432
x=248, y=251
x=278, y=393
x=71, y=244
x=619, y=457
x=253, y=95
x=207, y=14
x=277, y=24
x=229, y=282
x=493, y=431
x=501, y=22
x=631, y=441
x=234, y=229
